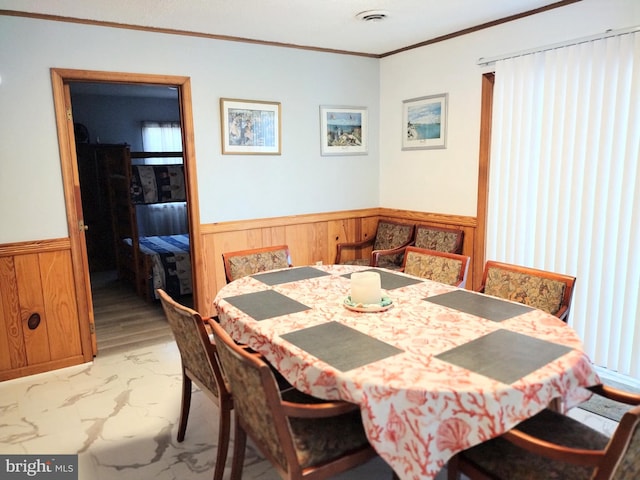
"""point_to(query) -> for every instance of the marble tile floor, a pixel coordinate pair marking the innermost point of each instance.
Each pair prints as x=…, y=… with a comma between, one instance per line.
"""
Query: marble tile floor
x=119, y=414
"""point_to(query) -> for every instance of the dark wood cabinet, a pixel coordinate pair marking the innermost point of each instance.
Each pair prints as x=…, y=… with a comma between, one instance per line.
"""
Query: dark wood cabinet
x=92, y=170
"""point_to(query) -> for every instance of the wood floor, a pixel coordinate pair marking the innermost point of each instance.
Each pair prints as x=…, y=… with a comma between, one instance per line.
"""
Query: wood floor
x=123, y=319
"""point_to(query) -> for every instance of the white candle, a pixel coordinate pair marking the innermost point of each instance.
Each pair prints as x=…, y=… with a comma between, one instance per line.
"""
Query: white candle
x=365, y=288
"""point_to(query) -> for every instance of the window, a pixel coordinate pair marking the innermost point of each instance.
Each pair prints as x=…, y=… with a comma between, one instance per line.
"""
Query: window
x=161, y=136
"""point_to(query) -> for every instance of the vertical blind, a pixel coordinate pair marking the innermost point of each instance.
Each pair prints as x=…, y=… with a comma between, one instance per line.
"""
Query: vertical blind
x=564, y=183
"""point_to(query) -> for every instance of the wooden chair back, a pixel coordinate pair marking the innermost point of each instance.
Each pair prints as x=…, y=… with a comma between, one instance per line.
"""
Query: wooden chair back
x=552, y=445
x=443, y=267
x=200, y=366
x=548, y=291
x=442, y=239
x=622, y=457
x=302, y=436
x=388, y=245
x=254, y=260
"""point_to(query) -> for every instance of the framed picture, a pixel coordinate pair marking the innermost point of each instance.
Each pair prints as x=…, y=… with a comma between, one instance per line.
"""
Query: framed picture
x=250, y=127
x=424, y=122
x=343, y=130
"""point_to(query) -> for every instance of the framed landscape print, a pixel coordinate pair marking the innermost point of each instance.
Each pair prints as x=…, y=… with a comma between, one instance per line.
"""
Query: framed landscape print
x=343, y=130
x=250, y=127
x=424, y=122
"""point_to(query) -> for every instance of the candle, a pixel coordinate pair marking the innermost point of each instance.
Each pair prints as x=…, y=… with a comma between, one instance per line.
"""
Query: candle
x=365, y=288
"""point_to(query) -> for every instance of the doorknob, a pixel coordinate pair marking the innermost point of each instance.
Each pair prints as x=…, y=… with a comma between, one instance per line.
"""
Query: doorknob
x=82, y=226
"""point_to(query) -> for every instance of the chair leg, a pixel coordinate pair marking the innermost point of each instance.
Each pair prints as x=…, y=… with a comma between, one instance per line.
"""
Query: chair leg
x=224, y=428
x=186, y=405
x=239, y=445
x=453, y=472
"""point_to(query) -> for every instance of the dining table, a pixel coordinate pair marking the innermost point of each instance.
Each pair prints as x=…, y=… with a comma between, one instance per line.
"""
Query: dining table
x=434, y=369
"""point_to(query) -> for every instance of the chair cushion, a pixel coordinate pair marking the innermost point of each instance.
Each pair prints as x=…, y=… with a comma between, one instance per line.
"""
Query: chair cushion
x=392, y=235
x=436, y=240
x=358, y=261
x=508, y=462
x=241, y=266
x=315, y=440
x=389, y=262
x=318, y=440
x=385, y=261
x=440, y=269
x=537, y=292
x=629, y=468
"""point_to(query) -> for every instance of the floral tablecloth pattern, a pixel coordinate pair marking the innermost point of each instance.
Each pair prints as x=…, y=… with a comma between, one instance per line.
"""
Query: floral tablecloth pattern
x=418, y=410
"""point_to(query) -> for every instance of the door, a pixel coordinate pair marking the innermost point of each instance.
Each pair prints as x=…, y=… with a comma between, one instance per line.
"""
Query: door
x=68, y=157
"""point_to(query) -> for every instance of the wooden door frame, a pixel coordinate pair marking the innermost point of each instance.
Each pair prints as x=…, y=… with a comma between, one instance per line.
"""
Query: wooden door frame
x=486, y=117
x=60, y=79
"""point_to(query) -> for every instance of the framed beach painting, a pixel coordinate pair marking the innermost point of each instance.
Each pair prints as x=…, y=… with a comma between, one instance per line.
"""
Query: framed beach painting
x=250, y=127
x=424, y=122
x=343, y=130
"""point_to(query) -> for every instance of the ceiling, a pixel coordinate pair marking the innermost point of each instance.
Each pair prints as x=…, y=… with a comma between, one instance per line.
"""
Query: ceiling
x=317, y=24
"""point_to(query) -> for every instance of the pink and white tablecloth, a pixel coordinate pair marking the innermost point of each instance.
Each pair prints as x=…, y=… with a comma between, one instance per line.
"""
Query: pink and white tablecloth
x=441, y=380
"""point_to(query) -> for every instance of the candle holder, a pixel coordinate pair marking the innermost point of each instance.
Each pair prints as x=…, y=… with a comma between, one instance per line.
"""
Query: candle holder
x=365, y=288
x=385, y=304
x=366, y=293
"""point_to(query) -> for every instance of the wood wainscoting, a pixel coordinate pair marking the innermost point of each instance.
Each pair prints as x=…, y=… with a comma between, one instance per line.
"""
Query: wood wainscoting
x=46, y=319
x=40, y=328
x=311, y=238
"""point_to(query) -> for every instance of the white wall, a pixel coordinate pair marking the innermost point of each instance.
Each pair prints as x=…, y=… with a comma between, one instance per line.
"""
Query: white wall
x=232, y=187
x=300, y=180
x=445, y=181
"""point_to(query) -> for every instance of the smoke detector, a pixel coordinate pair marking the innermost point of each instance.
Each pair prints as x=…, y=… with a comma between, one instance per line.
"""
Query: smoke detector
x=372, y=15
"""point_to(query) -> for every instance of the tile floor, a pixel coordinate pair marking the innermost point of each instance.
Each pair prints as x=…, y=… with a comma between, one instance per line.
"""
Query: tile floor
x=120, y=414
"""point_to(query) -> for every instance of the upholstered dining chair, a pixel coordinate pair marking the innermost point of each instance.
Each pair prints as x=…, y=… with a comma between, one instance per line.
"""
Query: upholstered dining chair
x=200, y=366
x=442, y=239
x=302, y=436
x=254, y=260
x=443, y=267
x=548, y=291
x=552, y=445
x=388, y=245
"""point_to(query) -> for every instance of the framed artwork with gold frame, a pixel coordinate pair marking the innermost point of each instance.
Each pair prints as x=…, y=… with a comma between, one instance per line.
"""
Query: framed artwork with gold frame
x=250, y=127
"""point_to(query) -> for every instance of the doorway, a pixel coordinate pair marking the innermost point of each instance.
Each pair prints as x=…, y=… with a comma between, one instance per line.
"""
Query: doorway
x=112, y=119
x=64, y=81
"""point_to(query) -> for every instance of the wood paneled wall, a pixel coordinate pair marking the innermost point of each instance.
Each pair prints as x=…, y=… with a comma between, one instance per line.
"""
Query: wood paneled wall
x=39, y=321
x=311, y=238
x=37, y=279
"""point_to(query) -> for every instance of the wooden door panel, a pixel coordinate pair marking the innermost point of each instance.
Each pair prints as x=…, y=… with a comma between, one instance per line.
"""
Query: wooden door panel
x=36, y=338
x=12, y=349
x=59, y=303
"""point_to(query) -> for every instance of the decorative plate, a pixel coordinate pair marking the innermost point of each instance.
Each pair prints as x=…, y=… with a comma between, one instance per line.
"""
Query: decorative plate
x=385, y=304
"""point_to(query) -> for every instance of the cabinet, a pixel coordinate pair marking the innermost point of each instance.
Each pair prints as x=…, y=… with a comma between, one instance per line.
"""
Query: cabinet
x=39, y=328
x=92, y=172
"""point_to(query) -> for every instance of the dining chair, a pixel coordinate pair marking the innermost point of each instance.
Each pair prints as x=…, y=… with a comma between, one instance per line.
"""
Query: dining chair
x=442, y=239
x=548, y=291
x=302, y=436
x=254, y=260
x=200, y=366
x=388, y=245
x=443, y=267
x=553, y=445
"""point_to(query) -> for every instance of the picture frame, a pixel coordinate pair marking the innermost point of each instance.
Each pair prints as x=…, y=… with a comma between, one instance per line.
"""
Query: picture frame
x=344, y=130
x=424, y=122
x=250, y=127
